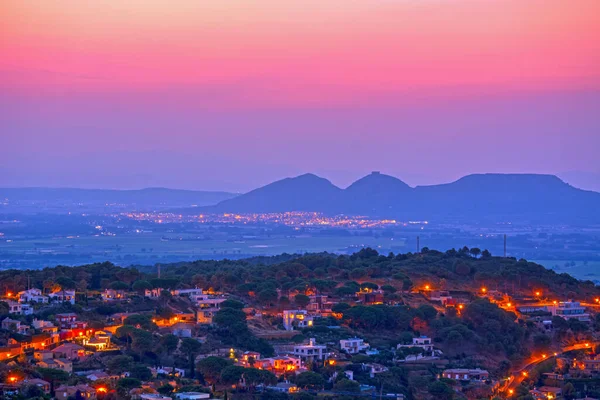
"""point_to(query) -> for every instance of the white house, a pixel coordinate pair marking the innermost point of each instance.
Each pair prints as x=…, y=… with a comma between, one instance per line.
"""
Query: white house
x=462, y=374
x=191, y=293
x=311, y=351
x=63, y=296
x=353, y=346
x=153, y=293
x=19, y=308
x=569, y=310
x=32, y=295
x=296, y=318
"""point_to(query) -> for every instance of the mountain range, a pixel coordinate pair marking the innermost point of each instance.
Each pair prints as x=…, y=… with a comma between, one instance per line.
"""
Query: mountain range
x=479, y=197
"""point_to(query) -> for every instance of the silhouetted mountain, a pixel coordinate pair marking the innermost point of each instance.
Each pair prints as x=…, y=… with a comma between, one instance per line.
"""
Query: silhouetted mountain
x=306, y=192
x=481, y=197
x=61, y=199
x=375, y=193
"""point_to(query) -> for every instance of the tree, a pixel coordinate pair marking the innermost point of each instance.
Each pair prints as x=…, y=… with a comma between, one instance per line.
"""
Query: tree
x=118, y=285
x=346, y=385
x=211, y=367
x=169, y=343
x=310, y=380
x=301, y=300
x=238, y=305
x=232, y=374
x=141, y=372
x=568, y=390
x=191, y=347
x=475, y=252
x=124, y=385
x=440, y=390
x=268, y=296
x=141, y=322
x=119, y=364
x=141, y=286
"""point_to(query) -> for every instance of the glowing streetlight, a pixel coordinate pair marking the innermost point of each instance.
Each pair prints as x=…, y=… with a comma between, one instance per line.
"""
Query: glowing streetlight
x=510, y=391
x=483, y=290
x=544, y=356
x=524, y=373
x=12, y=379
x=538, y=293
x=426, y=287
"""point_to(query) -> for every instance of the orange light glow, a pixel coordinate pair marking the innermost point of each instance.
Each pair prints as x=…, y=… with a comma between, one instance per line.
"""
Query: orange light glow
x=543, y=356
x=12, y=379
x=80, y=333
x=9, y=294
x=538, y=293
x=460, y=306
x=524, y=373
x=426, y=287
x=510, y=391
x=331, y=362
x=555, y=302
x=597, y=300
x=509, y=304
x=101, y=390
x=587, y=345
x=483, y=290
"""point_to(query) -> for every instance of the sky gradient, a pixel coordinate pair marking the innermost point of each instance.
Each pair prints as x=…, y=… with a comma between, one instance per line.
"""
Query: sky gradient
x=232, y=94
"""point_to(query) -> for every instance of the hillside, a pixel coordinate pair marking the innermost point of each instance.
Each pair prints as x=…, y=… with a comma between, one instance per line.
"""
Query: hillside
x=493, y=198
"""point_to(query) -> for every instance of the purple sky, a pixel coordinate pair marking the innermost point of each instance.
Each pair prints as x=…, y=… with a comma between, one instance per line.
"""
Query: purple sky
x=230, y=95
x=111, y=143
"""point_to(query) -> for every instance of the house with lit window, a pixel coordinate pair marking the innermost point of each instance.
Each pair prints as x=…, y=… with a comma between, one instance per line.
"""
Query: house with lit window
x=297, y=319
x=112, y=295
x=83, y=391
x=63, y=296
x=69, y=351
x=569, y=310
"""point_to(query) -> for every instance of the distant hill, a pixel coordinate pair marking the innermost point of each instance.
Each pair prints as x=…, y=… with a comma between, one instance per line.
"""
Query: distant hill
x=480, y=197
x=61, y=199
x=306, y=192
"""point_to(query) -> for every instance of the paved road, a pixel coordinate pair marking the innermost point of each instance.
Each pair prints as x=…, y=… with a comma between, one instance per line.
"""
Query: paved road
x=519, y=375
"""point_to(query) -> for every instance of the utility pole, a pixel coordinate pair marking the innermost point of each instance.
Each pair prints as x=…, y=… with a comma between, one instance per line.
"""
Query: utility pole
x=505, y=245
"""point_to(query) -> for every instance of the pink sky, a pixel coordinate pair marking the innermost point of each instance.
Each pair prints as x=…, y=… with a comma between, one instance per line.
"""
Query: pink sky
x=245, y=81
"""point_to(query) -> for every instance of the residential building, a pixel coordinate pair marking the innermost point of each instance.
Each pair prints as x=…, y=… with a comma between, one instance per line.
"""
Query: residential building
x=461, y=374
x=206, y=315
x=370, y=296
x=191, y=293
x=439, y=295
x=422, y=342
x=296, y=318
x=44, y=326
x=374, y=369
x=284, y=387
x=112, y=294
x=57, y=363
x=32, y=296
x=42, y=355
x=153, y=293
x=353, y=346
x=19, y=308
x=66, y=320
x=63, y=296
x=14, y=325
x=569, y=310
x=69, y=351
x=546, y=392
x=311, y=351
x=84, y=391
x=42, y=384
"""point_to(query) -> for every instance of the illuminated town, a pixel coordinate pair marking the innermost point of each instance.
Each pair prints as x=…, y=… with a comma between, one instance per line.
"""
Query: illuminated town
x=293, y=219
